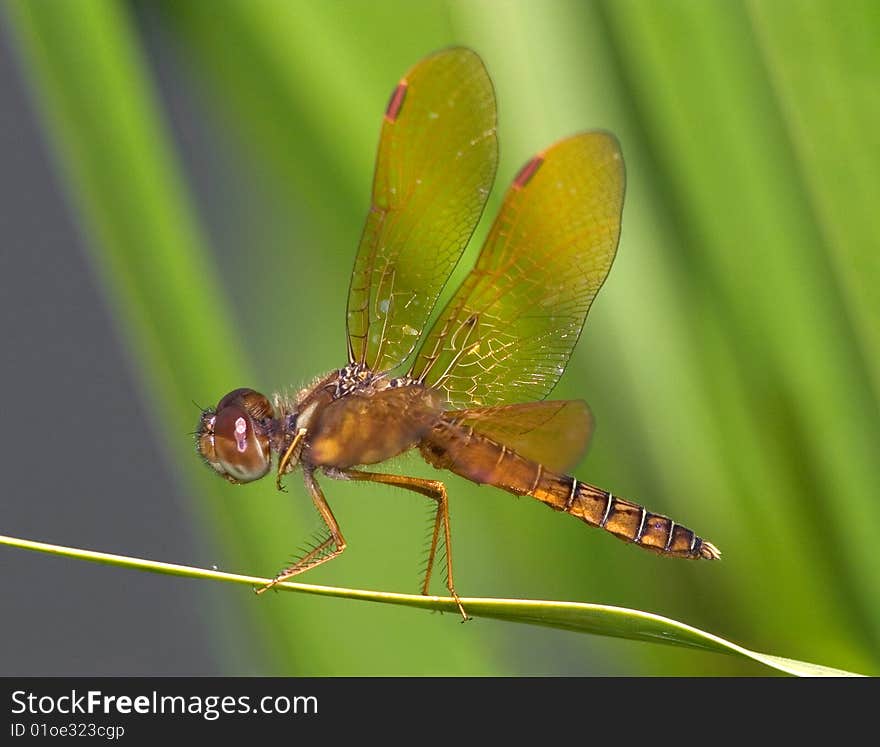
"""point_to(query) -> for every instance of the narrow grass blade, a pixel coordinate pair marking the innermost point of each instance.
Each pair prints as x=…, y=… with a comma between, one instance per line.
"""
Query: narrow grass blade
x=598, y=619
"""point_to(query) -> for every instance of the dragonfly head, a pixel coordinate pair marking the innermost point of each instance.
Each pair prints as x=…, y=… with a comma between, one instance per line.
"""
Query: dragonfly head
x=233, y=438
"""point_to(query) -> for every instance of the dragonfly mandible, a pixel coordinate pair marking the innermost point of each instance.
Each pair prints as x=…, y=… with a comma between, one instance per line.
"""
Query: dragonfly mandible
x=468, y=394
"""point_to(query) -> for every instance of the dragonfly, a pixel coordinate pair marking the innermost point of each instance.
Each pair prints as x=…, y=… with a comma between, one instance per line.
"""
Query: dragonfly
x=470, y=393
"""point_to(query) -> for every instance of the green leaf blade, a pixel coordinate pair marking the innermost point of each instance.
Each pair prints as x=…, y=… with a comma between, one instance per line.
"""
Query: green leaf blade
x=581, y=617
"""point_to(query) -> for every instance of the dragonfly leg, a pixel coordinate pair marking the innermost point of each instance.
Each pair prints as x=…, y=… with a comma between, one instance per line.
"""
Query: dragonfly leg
x=284, y=461
x=433, y=489
x=325, y=550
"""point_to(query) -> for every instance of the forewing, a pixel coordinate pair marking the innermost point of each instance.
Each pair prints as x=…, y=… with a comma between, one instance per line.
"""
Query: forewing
x=553, y=433
x=508, y=332
x=437, y=158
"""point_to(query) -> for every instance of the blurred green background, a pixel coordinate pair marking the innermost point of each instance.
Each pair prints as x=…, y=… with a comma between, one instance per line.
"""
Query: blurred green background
x=732, y=360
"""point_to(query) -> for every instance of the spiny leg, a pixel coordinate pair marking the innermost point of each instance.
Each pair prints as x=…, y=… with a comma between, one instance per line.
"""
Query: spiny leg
x=433, y=489
x=432, y=552
x=287, y=456
x=326, y=550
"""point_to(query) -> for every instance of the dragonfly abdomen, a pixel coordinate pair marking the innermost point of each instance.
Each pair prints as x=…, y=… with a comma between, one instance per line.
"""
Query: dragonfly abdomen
x=482, y=460
x=631, y=522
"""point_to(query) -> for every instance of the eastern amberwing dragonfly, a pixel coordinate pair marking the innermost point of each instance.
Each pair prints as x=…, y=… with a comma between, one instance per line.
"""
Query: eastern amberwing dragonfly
x=469, y=394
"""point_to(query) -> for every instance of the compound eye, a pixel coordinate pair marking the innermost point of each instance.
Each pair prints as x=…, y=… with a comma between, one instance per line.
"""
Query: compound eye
x=233, y=439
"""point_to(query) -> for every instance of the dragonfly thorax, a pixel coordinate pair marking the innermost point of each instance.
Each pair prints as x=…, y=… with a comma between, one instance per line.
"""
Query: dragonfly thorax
x=352, y=378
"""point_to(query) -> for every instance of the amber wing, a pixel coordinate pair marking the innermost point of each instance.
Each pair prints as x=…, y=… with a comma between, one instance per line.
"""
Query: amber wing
x=436, y=163
x=508, y=332
x=552, y=433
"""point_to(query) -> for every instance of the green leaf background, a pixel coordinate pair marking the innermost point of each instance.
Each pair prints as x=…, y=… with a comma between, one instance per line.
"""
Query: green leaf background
x=732, y=359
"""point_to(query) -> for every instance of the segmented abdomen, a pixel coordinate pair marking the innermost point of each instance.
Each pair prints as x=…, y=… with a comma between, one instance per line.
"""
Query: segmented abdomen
x=477, y=458
x=631, y=522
